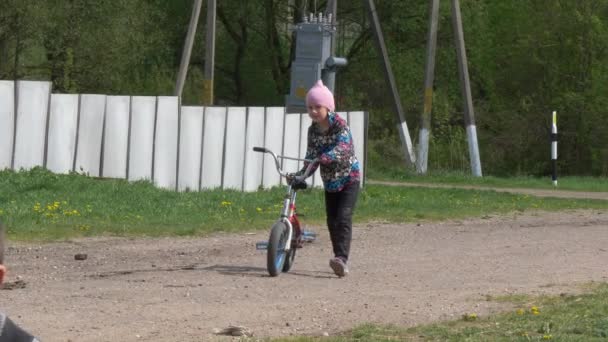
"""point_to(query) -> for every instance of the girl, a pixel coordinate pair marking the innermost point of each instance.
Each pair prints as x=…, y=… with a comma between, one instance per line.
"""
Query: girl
x=330, y=141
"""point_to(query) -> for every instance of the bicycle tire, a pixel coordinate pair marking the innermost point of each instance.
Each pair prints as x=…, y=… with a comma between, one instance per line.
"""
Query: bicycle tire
x=276, y=248
x=289, y=259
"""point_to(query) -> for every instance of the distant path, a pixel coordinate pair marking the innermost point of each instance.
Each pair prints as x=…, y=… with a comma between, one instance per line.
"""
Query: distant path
x=532, y=192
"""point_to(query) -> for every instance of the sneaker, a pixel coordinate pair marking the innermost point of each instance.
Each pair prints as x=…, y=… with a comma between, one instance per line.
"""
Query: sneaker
x=339, y=267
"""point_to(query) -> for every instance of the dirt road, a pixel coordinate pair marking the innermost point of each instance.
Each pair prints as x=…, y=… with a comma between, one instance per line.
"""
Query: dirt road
x=187, y=289
x=556, y=192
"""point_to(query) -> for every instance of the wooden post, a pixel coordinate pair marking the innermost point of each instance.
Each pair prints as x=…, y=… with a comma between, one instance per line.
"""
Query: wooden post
x=465, y=86
x=404, y=134
x=209, y=54
x=183, y=67
x=554, y=149
x=429, y=76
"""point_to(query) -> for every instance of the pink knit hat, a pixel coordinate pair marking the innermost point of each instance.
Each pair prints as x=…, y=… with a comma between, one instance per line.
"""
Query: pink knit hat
x=320, y=95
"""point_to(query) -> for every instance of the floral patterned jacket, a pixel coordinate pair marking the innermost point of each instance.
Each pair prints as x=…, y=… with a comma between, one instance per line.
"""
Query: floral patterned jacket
x=336, y=153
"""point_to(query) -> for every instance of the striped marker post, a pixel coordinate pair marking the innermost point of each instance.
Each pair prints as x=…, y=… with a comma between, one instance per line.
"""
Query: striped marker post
x=554, y=148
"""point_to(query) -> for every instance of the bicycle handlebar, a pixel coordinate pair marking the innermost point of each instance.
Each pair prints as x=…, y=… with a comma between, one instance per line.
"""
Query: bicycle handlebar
x=278, y=165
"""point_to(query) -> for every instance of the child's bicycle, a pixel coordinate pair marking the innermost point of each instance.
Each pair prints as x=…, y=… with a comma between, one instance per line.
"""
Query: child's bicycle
x=286, y=234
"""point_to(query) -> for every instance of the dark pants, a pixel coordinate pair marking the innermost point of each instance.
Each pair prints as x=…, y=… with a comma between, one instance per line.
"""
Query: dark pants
x=339, y=207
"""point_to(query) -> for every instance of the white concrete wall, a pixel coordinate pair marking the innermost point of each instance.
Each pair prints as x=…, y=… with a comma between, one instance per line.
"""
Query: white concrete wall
x=153, y=138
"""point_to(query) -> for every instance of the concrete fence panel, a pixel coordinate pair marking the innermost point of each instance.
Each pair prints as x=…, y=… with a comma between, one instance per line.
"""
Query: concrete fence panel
x=63, y=122
x=213, y=147
x=165, y=142
x=7, y=123
x=273, y=140
x=305, y=122
x=190, y=147
x=141, y=137
x=116, y=137
x=90, y=133
x=254, y=161
x=234, y=158
x=291, y=142
x=357, y=123
x=32, y=114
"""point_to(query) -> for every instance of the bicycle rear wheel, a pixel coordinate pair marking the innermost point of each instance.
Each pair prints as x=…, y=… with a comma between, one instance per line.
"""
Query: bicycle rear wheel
x=277, y=255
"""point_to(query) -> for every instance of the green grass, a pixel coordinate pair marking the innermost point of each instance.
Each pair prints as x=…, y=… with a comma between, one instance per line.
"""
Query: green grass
x=576, y=183
x=39, y=205
x=547, y=318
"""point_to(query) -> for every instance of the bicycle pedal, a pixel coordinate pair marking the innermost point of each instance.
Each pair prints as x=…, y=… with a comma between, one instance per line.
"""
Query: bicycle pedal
x=309, y=236
x=262, y=245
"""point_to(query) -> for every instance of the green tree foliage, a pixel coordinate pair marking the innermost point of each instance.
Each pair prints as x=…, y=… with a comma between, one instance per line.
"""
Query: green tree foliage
x=526, y=59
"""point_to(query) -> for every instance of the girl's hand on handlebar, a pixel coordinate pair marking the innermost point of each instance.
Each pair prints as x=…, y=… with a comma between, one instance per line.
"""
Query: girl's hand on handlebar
x=290, y=177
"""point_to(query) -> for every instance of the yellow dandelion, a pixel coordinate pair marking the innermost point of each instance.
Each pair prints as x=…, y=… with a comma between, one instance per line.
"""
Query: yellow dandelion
x=547, y=337
x=259, y=210
x=469, y=317
x=226, y=203
x=520, y=311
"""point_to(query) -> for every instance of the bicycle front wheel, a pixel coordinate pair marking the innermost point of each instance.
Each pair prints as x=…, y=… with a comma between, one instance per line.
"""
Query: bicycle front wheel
x=276, y=248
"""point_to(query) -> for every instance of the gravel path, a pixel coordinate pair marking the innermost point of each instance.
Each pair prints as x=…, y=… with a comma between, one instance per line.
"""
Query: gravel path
x=187, y=289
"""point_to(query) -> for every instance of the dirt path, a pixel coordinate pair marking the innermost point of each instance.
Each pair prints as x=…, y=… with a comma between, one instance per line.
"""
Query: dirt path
x=186, y=289
x=533, y=192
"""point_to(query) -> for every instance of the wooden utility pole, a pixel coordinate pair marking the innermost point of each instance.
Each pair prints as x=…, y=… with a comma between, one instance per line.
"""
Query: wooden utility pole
x=185, y=62
x=208, y=95
x=465, y=86
x=404, y=134
x=429, y=76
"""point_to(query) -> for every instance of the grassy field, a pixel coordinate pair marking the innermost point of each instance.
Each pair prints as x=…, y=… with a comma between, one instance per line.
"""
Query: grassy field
x=39, y=205
x=560, y=318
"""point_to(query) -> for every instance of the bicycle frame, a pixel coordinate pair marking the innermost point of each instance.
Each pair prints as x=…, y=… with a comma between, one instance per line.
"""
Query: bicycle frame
x=289, y=208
